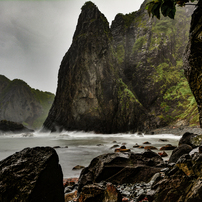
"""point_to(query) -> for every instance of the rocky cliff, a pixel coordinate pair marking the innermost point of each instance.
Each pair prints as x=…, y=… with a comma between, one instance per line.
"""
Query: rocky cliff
x=193, y=59
x=20, y=103
x=126, y=77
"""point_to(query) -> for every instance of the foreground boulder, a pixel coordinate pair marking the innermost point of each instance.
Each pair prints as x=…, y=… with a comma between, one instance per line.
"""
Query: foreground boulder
x=31, y=175
x=119, y=168
x=182, y=182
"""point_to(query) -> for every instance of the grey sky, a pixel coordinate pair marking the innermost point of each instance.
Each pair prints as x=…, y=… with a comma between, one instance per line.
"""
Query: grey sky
x=35, y=35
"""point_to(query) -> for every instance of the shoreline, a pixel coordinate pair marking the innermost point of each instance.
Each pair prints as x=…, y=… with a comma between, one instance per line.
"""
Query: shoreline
x=179, y=131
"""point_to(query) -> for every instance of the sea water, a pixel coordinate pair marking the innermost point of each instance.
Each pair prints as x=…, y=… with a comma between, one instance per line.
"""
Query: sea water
x=79, y=148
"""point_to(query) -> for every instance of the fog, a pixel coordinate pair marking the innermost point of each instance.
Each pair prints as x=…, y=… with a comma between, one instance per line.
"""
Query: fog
x=35, y=35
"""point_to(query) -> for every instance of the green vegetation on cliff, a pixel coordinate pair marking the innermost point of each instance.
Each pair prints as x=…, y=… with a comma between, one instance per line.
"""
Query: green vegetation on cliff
x=23, y=104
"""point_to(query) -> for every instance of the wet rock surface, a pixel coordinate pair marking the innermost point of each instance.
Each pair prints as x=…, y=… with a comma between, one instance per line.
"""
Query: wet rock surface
x=121, y=167
x=179, y=151
x=182, y=181
x=32, y=174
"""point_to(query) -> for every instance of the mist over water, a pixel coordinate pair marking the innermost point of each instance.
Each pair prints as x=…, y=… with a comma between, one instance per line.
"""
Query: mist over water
x=82, y=147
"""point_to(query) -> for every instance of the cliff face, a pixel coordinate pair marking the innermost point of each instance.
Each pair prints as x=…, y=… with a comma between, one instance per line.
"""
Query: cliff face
x=193, y=59
x=22, y=104
x=152, y=65
x=127, y=77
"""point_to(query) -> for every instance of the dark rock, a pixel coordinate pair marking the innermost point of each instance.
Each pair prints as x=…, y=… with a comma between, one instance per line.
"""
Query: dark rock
x=179, y=151
x=168, y=147
x=192, y=58
x=182, y=182
x=71, y=196
x=100, y=145
x=70, y=181
x=57, y=147
x=136, y=145
x=121, y=150
x=9, y=126
x=187, y=139
x=163, y=154
x=150, y=147
x=116, y=145
x=78, y=167
x=163, y=140
x=99, y=193
x=146, y=143
x=200, y=149
x=121, y=168
x=32, y=174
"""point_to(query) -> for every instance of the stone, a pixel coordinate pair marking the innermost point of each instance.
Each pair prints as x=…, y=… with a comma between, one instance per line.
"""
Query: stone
x=183, y=181
x=179, y=151
x=116, y=145
x=125, y=199
x=100, y=145
x=121, y=167
x=168, y=147
x=78, y=167
x=163, y=140
x=32, y=174
x=56, y=147
x=136, y=145
x=146, y=143
x=71, y=196
x=70, y=181
x=13, y=127
x=187, y=139
x=163, y=154
x=99, y=193
x=150, y=147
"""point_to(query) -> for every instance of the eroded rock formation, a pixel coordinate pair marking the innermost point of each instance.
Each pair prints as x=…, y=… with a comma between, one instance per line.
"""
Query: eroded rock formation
x=127, y=77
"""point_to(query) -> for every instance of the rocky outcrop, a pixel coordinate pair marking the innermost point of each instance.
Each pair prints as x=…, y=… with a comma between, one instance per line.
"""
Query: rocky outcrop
x=124, y=78
x=181, y=182
x=119, y=168
x=9, y=126
x=187, y=138
x=193, y=59
x=90, y=93
x=22, y=104
x=98, y=193
x=179, y=151
x=32, y=174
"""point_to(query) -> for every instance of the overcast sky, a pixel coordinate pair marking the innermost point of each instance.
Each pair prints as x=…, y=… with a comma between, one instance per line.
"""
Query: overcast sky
x=35, y=35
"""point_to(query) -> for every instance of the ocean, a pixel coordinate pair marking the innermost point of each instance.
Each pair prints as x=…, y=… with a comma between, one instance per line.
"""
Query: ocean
x=79, y=148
